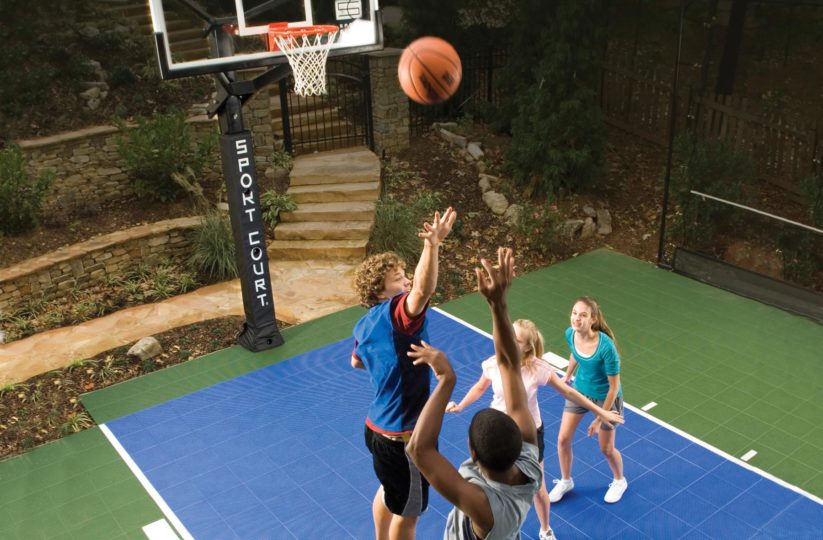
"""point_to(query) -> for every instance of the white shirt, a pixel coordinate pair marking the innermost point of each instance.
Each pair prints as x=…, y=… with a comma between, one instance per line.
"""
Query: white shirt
x=538, y=375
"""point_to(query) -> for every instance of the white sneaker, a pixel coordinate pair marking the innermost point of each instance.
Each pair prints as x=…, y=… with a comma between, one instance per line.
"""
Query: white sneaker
x=616, y=490
x=561, y=487
x=547, y=535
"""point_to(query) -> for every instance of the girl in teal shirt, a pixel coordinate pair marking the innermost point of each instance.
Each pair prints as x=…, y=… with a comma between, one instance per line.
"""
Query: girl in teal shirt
x=595, y=358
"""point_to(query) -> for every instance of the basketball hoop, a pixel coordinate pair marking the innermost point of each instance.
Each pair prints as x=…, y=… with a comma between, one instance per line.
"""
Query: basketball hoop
x=306, y=48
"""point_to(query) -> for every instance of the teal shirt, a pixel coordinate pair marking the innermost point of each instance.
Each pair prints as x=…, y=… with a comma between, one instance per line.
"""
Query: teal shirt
x=593, y=372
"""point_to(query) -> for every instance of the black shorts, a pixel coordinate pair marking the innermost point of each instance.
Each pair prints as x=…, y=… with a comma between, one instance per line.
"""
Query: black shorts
x=541, y=444
x=405, y=490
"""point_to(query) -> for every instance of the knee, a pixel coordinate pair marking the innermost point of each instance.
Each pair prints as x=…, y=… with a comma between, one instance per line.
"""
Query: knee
x=608, y=451
x=564, y=442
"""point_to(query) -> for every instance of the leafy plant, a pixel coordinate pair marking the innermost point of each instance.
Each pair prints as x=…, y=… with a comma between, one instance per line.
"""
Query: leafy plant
x=158, y=148
x=77, y=422
x=20, y=195
x=395, y=229
x=272, y=203
x=281, y=159
x=213, y=246
x=539, y=223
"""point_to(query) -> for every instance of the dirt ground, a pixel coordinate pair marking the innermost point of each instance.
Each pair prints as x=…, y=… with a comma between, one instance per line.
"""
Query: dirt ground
x=48, y=406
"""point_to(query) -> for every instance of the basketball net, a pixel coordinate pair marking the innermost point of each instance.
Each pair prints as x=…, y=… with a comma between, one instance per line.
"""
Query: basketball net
x=306, y=48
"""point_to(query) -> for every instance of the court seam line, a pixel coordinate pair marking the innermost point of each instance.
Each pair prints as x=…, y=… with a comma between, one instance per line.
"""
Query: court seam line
x=692, y=438
x=147, y=485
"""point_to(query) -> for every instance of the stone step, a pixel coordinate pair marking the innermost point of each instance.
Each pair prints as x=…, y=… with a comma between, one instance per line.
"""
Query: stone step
x=348, y=250
x=357, y=164
x=319, y=193
x=334, y=211
x=323, y=230
x=327, y=115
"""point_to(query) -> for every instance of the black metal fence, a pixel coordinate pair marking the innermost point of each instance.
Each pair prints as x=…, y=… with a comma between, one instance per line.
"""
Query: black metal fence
x=477, y=89
x=340, y=119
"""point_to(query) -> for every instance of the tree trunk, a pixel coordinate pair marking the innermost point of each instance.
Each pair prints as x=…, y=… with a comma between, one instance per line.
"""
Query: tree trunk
x=731, y=49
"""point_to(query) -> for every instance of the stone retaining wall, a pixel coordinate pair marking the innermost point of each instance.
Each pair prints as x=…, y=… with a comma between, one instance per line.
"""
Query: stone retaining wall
x=88, y=169
x=82, y=265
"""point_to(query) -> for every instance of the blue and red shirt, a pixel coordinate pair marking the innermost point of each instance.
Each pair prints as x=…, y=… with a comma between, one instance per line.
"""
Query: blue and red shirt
x=382, y=338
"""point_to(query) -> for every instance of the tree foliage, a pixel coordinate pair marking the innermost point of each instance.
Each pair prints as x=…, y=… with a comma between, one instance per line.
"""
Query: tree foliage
x=551, y=79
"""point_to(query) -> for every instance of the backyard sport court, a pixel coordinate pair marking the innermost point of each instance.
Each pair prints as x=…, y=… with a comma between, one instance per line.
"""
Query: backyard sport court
x=270, y=445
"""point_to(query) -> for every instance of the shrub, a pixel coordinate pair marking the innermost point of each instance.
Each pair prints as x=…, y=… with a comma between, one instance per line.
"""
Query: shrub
x=713, y=167
x=396, y=225
x=539, y=224
x=272, y=203
x=395, y=229
x=20, y=195
x=214, y=254
x=158, y=148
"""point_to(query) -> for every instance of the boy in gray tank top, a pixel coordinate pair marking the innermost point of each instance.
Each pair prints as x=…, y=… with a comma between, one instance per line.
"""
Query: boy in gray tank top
x=492, y=492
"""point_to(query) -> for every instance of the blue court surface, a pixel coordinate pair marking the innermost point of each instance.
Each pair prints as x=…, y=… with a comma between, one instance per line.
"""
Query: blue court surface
x=279, y=453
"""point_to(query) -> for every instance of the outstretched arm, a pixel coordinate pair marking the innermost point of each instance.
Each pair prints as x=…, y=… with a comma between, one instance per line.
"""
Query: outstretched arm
x=494, y=285
x=425, y=275
x=471, y=396
x=422, y=447
x=572, y=394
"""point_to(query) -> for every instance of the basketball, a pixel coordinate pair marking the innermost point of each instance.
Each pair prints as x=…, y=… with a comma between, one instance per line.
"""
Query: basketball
x=429, y=70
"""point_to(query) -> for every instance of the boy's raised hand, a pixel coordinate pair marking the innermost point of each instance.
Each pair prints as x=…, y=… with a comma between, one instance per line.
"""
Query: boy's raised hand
x=497, y=279
x=434, y=358
x=433, y=233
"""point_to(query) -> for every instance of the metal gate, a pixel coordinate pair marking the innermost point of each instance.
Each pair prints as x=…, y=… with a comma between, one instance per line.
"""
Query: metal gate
x=340, y=119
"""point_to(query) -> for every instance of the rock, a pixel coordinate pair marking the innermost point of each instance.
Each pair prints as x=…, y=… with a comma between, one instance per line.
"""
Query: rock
x=513, y=214
x=484, y=183
x=496, y=202
x=755, y=258
x=474, y=150
x=604, y=222
x=91, y=93
x=224, y=206
x=146, y=348
x=646, y=236
x=93, y=103
x=2, y=336
x=570, y=227
x=89, y=31
x=589, y=211
x=492, y=179
x=447, y=125
x=587, y=231
x=457, y=140
x=481, y=166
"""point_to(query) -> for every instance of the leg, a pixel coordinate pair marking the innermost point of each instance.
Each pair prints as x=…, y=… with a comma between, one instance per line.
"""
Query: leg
x=542, y=504
x=568, y=425
x=402, y=527
x=606, y=440
x=382, y=516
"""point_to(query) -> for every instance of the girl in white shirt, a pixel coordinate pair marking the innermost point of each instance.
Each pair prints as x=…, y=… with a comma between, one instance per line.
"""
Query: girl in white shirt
x=536, y=372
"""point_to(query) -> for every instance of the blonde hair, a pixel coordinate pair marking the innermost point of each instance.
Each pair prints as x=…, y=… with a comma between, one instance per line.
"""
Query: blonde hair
x=599, y=320
x=370, y=276
x=533, y=338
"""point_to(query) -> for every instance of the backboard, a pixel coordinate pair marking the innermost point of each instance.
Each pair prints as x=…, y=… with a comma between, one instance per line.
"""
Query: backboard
x=181, y=30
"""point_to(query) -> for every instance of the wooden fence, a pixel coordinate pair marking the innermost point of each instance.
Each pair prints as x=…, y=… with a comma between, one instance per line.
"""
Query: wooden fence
x=784, y=150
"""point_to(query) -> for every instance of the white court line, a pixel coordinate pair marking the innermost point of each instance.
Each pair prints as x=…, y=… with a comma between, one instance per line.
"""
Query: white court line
x=670, y=427
x=649, y=406
x=748, y=455
x=160, y=530
x=153, y=493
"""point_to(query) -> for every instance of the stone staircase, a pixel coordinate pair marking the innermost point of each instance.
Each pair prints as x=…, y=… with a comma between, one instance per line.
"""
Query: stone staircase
x=336, y=192
x=185, y=30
